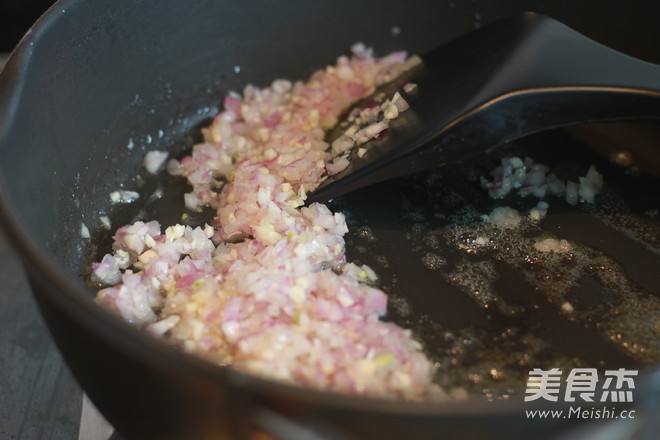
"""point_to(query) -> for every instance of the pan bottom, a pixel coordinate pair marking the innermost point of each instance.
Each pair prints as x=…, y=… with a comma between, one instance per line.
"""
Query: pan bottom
x=487, y=305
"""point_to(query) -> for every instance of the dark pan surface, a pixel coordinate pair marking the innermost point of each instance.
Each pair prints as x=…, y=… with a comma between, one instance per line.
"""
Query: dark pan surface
x=489, y=314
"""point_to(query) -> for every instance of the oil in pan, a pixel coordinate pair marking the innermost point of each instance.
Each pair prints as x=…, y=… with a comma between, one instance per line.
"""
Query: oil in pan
x=490, y=304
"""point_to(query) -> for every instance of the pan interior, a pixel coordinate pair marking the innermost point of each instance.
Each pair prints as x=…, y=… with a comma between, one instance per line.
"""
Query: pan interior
x=487, y=314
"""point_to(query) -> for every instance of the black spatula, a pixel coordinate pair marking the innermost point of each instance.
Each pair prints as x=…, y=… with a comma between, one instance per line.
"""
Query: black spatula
x=515, y=77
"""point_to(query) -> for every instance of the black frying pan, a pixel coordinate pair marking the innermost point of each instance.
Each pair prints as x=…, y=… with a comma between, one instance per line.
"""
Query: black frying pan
x=92, y=79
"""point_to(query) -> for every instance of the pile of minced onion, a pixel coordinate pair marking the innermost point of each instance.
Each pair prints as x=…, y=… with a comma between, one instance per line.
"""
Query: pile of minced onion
x=266, y=287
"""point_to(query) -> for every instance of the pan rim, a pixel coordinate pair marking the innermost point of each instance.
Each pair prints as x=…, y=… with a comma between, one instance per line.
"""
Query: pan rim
x=69, y=294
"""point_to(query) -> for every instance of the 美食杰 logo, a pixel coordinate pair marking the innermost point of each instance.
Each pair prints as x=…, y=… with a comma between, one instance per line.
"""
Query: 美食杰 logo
x=581, y=385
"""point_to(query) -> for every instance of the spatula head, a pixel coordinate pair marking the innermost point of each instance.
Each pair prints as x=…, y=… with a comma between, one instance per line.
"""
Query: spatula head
x=515, y=77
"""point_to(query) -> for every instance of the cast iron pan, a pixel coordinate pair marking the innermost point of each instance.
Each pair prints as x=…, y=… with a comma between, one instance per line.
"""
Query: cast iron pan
x=486, y=315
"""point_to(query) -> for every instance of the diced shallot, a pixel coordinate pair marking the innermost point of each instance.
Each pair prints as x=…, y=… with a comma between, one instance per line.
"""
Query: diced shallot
x=153, y=160
x=337, y=165
x=533, y=179
x=263, y=288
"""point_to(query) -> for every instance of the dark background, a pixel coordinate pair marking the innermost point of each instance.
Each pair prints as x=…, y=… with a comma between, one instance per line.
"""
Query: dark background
x=39, y=399
x=16, y=17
